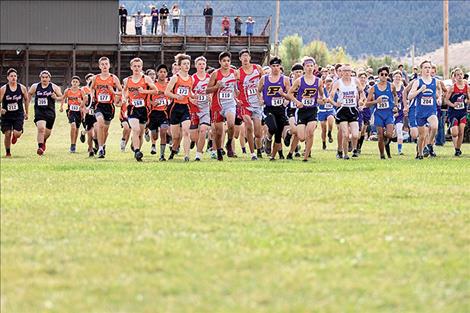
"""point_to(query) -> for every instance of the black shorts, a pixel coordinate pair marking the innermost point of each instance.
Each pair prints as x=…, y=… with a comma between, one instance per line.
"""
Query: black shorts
x=157, y=119
x=305, y=116
x=276, y=120
x=105, y=109
x=347, y=114
x=290, y=112
x=179, y=113
x=89, y=122
x=12, y=123
x=137, y=113
x=47, y=116
x=124, y=121
x=74, y=117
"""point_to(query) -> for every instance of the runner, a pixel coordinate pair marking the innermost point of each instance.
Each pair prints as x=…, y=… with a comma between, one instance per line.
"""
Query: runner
x=273, y=88
x=223, y=86
x=457, y=98
x=135, y=91
x=158, y=117
x=309, y=95
x=151, y=103
x=251, y=109
x=75, y=98
x=365, y=113
x=291, y=111
x=90, y=119
x=398, y=113
x=14, y=109
x=45, y=93
x=383, y=96
x=103, y=88
x=350, y=93
x=179, y=90
x=424, y=89
x=200, y=117
x=410, y=112
x=326, y=113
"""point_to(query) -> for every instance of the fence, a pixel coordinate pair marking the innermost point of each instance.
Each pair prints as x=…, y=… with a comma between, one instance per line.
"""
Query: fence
x=194, y=25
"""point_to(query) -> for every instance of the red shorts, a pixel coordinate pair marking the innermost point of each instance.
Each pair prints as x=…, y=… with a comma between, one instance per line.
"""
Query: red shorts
x=216, y=117
x=194, y=121
x=457, y=122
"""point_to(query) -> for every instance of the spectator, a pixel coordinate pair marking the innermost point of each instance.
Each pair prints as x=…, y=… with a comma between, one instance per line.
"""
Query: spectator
x=139, y=21
x=415, y=73
x=164, y=12
x=123, y=16
x=154, y=14
x=250, y=25
x=238, y=26
x=225, y=26
x=175, y=17
x=208, y=14
x=404, y=75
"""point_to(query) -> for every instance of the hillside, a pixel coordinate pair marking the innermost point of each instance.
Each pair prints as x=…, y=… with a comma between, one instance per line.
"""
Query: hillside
x=362, y=27
x=459, y=54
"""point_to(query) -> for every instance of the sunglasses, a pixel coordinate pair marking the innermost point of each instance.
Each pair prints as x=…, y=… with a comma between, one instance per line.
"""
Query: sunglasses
x=383, y=74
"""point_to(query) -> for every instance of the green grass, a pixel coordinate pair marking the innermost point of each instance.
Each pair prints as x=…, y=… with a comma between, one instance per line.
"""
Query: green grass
x=113, y=235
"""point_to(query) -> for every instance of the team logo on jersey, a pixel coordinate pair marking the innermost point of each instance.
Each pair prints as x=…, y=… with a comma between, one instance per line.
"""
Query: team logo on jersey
x=272, y=90
x=309, y=92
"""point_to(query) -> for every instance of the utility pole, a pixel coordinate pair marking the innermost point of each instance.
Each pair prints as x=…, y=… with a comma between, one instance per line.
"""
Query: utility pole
x=278, y=26
x=446, y=38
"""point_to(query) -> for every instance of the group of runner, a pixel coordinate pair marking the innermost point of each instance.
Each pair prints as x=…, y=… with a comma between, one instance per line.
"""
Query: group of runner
x=253, y=104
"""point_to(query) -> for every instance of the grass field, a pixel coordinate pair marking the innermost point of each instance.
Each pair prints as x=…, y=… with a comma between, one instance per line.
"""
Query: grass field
x=114, y=235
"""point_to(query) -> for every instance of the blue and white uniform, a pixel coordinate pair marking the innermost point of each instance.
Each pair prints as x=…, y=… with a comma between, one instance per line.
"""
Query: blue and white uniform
x=326, y=109
x=426, y=102
x=383, y=114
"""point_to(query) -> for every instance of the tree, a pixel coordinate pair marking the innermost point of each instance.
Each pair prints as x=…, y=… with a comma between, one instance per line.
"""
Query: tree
x=290, y=50
x=318, y=50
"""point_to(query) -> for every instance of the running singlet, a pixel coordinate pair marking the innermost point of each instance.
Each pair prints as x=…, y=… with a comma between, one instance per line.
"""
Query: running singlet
x=74, y=99
x=308, y=94
x=12, y=102
x=292, y=104
x=182, y=88
x=225, y=96
x=43, y=100
x=102, y=92
x=159, y=101
x=199, y=89
x=347, y=95
x=426, y=103
x=325, y=106
x=271, y=96
x=385, y=106
x=458, y=98
x=248, y=86
x=135, y=98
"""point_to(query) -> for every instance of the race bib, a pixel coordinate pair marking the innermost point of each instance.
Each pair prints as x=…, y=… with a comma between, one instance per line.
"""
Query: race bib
x=42, y=102
x=427, y=101
x=104, y=97
x=383, y=104
x=293, y=105
x=91, y=112
x=182, y=91
x=138, y=103
x=349, y=101
x=202, y=98
x=12, y=106
x=74, y=107
x=161, y=101
x=459, y=105
x=328, y=106
x=307, y=102
x=276, y=102
x=226, y=95
x=252, y=91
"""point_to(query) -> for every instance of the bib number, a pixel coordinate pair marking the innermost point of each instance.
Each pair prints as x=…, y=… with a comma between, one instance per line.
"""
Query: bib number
x=74, y=107
x=292, y=105
x=307, y=102
x=12, y=106
x=383, y=104
x=226, y=95
x=251, y=91
x=202, y=98
x=91, y=111
x=459, y=105
x=104, y=97
x=182, y=91
x=349, y=102
x=161, y=102
x=328, y=106
x=427, y=101
x=42, y=102
x=138, y=103
x=276, y=102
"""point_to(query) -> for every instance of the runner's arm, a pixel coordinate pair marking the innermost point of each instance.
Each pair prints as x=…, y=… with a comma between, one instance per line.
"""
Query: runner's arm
x=370, y=98
x=212, y=86
x=320, y=92
x=415, y=91
x=62, y=100
x=169, y=89
x=57, y=92
x=24, y=90
x=333, y=91
x=447, y=98
x=2, y=93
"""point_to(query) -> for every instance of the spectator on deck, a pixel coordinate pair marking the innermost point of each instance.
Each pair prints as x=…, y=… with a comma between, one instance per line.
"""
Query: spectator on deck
x=164, y=12
x=208, y=14
x=154, y=14
x=139, y=21
x=123, y=17
x=225, y=26
x=175, y=17
x=250, y=25
x=238, y=26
